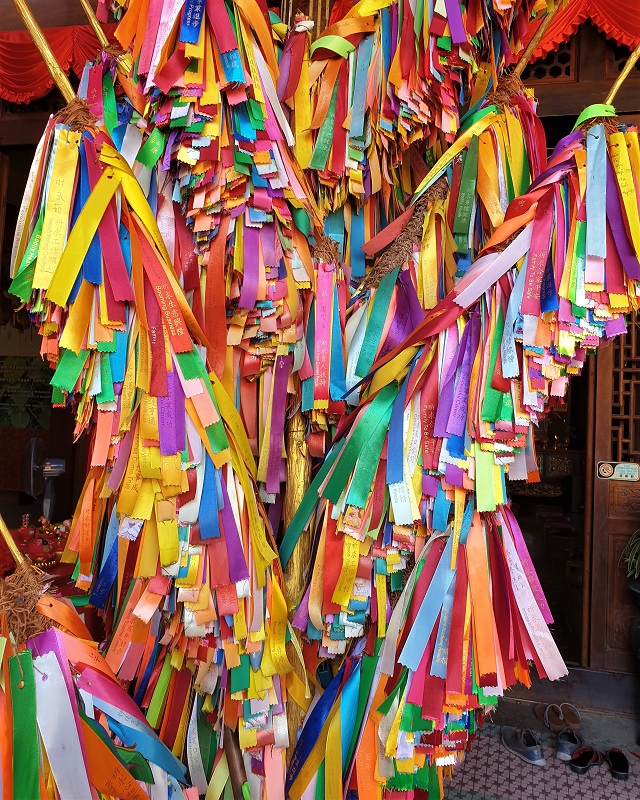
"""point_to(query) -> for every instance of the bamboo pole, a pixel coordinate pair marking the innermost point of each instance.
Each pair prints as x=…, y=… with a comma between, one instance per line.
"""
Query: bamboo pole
x=537, y=38
x=631, y=62
x=298, y=480
x=95, y=24
x=8, y=540
x=35, y=31
x=125, y=61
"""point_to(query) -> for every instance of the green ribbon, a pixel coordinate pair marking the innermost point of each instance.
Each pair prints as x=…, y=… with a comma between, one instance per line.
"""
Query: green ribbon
x=136, y=764
x=464, y=207
x=477, y=116
x=305, y=509
x=207, y=739
x=325, y=134
x=301, y=220
x=68, y=370
x=378, y=410
x=240, y=675
x=152, y=149
x=107, y=394
x=493, y=397
x=26, y=758
x=375, y=323
x=336, y=44
x=109, y=109
x=596, y=110
x=369, y=459
x=23, y=281
x=159, y=693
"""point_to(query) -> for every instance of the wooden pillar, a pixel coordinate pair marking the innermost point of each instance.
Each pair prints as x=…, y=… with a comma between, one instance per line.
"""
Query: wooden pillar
x=317, y=10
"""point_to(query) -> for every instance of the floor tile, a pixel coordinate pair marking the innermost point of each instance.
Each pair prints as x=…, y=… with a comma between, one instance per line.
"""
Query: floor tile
x=490, y=772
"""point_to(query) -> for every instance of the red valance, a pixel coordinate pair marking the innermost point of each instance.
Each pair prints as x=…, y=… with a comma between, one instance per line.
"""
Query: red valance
x=23, y=74
x=617, y=19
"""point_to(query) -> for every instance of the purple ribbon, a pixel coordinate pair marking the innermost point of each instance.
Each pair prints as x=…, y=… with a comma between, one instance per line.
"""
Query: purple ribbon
x=282, y=370
x=615, y=217
x=238, y=570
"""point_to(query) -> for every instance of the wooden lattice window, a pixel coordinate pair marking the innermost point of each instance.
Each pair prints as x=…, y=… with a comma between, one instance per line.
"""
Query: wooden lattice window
x=617, y=56
x=558, y=65
x=625, y=413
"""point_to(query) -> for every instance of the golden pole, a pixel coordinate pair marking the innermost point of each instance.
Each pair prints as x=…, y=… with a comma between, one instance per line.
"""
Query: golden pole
x=124, y=59
x=631, y=62
x=8, y=540
x=298, y=480
x=537, y=38
x=95, y=24
x=35, y=31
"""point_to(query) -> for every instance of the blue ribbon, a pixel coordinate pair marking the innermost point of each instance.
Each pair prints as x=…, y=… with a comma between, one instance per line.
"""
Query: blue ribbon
x=357, y=240
x=314, y=724
x=106, y=578
x=467, y=519
x=441, y=510
x=337, y=376
x=348, y=711
x=149, y=746
x=192, y=21
x=429, y=610
x=209, y=522
x=232, y=67
x=356, y=129
x=596, y=192
x=439, y=660
x=108, y=565
x=395, y=450
x=334, y=227
x=92, y=264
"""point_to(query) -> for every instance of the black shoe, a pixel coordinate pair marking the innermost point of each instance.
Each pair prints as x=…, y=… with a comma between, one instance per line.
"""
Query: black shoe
x=584, y=758
x=618, y=763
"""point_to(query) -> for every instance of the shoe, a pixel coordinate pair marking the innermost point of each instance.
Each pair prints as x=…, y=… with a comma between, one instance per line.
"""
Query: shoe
x=584, y=758
x=550, y=715
x=570, y=716
x=525, y=745
x=618, y=764
x=568, y=742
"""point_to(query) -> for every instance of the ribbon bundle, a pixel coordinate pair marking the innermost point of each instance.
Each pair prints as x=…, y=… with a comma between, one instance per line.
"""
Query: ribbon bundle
x=225, y=156
x=61, y=696
x=390, y=74
x=387, y=81
x=168, y=520
x=164, y=253
x=447, y=416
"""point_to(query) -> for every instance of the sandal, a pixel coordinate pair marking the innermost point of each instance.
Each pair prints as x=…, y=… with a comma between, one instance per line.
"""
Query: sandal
x=551, y=716
x=570, y=715
x=618, y=763
x=584, y=758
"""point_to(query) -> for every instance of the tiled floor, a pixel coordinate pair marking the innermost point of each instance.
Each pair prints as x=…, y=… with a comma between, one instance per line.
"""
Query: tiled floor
x=490, y=772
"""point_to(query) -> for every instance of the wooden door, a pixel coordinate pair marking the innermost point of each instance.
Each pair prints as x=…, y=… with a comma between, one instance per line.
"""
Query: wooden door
x=616, y=504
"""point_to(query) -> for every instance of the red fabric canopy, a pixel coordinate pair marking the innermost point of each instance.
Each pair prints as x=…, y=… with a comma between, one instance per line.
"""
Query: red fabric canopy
x=617, y=19
x=23, y=74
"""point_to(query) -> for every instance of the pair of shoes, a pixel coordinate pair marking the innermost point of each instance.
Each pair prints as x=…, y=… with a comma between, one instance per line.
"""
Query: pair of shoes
x=586, y=757
x=558, y=717
x=524, y=744
x=567, y=743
